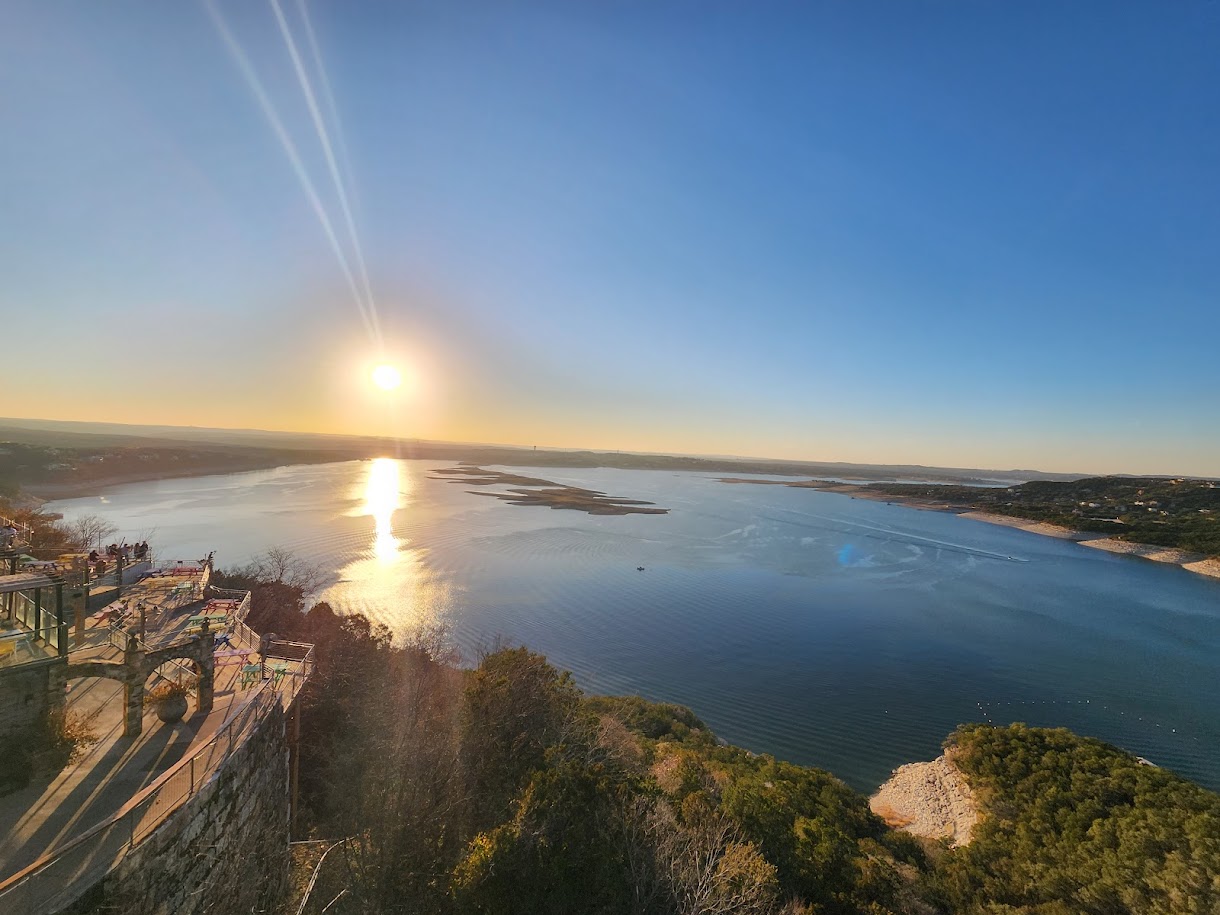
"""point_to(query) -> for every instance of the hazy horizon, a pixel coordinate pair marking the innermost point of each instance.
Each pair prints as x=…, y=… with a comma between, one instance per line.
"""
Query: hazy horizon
x=954, y=236
x=152, y=428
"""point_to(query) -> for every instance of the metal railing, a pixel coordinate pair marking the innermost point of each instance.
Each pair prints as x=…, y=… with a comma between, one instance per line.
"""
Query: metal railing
x=13, y=522
x=243, y=598
x=25, y=533
x=57, y=879
x=237, y=624
x=108, y=579
x=303, y=653
x=179, y=566
x=312, y=903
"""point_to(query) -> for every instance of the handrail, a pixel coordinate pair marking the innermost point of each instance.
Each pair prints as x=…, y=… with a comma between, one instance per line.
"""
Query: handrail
x=193, y=566
x=20, y=525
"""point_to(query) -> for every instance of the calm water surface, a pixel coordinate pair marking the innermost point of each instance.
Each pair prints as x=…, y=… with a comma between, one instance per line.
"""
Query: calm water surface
x=829, y=631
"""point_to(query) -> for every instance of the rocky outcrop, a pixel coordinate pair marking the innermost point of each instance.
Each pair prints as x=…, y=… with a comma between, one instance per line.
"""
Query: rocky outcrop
x=929, y=799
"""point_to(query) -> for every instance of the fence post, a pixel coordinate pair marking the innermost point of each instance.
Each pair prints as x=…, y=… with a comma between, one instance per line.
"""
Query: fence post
x=192, y=775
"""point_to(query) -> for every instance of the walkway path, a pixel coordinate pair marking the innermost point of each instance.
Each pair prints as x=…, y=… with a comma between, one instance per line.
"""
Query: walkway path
x=51, y=811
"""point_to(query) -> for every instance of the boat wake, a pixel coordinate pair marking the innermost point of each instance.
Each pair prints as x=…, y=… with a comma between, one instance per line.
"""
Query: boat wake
x=899, y=536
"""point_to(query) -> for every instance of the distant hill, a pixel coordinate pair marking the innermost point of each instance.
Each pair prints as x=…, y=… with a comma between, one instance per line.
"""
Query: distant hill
x=317, y=447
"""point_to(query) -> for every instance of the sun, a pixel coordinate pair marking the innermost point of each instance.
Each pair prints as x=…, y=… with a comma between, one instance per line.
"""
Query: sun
x=386, y=377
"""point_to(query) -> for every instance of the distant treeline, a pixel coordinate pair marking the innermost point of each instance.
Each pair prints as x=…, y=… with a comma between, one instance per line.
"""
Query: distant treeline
x=503, y=789
x=58, y=456
x=1179, y=513
x=46, y=469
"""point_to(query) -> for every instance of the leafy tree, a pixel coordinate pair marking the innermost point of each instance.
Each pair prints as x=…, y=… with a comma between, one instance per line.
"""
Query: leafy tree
x=564, y=850
x=516, y=707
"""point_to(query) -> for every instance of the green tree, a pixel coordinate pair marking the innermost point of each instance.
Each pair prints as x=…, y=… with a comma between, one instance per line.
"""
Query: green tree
x=516, y=706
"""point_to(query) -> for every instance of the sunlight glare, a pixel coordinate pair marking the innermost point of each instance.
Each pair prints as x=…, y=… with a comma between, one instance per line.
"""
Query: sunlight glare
x=381, y=501
x=386, y=377
x=388, y=581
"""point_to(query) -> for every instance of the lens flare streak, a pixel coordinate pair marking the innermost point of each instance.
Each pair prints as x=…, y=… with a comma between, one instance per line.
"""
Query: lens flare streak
x=294, y=158
x=328, y=152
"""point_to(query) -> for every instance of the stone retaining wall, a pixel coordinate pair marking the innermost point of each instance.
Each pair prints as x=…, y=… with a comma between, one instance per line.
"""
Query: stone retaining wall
x=27, y=693
x=224, y=851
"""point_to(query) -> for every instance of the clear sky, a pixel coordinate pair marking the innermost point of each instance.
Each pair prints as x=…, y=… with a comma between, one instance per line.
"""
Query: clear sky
x=969, y=234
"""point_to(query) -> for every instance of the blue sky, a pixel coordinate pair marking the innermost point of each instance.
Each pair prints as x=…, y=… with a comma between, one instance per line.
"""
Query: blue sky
x=969, y=233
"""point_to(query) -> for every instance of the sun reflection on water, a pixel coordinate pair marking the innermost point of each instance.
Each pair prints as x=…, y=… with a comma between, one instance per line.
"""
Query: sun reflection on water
x=382, y=499
x=386, y=578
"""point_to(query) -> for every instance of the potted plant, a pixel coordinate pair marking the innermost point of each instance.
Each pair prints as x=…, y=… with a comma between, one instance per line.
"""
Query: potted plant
x=169, y=700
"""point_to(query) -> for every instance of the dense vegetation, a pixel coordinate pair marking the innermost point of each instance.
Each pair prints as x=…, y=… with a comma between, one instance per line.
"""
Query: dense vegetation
x=1179, y=513
x=503, y=789
x=1075, y=827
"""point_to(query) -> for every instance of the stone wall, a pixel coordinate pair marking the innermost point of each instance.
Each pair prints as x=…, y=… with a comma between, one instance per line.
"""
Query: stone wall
x=27, y=693
x=224, y=851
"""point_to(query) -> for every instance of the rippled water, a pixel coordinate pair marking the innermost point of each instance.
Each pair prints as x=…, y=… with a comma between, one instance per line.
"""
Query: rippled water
x=842, y=633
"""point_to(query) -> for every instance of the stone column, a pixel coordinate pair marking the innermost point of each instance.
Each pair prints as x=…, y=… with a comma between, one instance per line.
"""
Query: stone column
x=77, y=596
x=133, y=689
x=205, y=688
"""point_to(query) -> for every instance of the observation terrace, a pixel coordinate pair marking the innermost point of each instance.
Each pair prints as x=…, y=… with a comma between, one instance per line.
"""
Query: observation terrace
x=60, y=832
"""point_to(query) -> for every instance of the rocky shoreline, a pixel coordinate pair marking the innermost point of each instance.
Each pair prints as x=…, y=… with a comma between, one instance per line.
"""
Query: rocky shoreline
x=1191, y=562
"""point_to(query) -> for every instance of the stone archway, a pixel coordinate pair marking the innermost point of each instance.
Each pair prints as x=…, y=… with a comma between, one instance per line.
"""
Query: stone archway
x=123, y=673
x=199, y=652
x=136, y=667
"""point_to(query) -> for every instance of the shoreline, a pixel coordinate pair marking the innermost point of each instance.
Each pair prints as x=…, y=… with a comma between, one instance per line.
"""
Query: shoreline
x=1198, y=563
x=41, y=493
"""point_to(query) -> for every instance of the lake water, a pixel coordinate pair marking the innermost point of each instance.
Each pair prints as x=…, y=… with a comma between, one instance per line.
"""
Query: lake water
x=829, y=631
